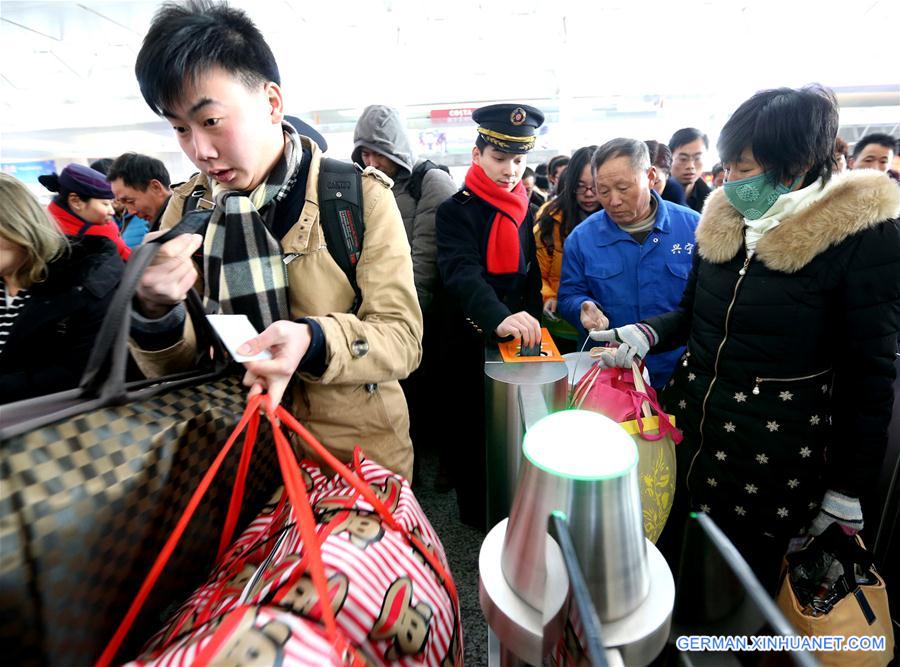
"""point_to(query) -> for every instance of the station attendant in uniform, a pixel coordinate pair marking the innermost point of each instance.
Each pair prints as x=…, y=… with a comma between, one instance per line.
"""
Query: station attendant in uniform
x=491, y=285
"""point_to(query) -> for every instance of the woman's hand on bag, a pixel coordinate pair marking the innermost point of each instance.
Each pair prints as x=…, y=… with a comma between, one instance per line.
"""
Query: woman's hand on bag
x=592, y=318
x=170, y=275
x=838, y=508
x=287, y=342
x=520, y=325
x=634, y=342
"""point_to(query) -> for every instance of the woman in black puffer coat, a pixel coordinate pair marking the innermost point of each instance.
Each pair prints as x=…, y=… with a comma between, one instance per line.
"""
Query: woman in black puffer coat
x=790, y=317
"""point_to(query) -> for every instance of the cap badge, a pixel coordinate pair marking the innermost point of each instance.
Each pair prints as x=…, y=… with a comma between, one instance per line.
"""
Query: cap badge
x=517, y=117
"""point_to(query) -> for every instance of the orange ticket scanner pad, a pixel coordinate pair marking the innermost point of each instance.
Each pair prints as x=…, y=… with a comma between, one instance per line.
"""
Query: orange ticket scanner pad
x=511, y=351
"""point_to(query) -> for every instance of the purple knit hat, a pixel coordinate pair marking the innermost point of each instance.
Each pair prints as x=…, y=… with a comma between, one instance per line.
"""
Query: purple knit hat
x=79, y=179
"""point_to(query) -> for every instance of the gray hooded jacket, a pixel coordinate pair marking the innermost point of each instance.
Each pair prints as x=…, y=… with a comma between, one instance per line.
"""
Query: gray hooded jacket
x=380, y=129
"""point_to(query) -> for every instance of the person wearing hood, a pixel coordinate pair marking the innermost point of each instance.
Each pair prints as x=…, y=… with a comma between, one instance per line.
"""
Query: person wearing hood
x=380, y=141
x=419, y=187
x=54, y=294
x=83, y=205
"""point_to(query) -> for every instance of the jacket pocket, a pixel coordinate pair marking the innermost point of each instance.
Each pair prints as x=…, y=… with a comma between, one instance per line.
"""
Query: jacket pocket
x=604, y=268
x=760, y=382
x=604, y=279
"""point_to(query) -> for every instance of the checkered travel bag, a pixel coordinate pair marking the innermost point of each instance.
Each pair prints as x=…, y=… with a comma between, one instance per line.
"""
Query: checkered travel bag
x=358, y=540
x=93, y=480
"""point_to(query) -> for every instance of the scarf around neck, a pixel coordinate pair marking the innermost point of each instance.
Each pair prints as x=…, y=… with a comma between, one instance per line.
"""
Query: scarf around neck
x=504, y=251
x=784, y=207
x=242, y=260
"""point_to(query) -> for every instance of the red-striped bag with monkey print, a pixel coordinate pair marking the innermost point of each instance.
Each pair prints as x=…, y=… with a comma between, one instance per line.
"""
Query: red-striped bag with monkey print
x=388, y=583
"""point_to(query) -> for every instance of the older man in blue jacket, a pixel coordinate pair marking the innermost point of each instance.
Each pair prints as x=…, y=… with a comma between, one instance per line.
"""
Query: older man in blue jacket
x=630, y=260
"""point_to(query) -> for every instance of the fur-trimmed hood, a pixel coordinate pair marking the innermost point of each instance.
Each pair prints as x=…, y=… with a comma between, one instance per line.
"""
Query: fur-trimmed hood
x=851, y=202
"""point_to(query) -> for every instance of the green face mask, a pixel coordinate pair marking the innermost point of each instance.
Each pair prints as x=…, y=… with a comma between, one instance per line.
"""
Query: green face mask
x=753, y=196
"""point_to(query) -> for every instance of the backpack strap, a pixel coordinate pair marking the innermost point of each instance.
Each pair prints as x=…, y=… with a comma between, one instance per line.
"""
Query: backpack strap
x=196, y=200
x=414, y=187
x=195, y=213
x=341, y=216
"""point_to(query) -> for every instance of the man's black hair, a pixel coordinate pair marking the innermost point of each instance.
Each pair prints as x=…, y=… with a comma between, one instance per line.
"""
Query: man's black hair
x=482, y=145
x=528, y=172
x=136, y=171
x=879, y=138
x=685, y=136
x=187, y=41
x=717, y=169
x=789, y=131
x=540, y=177
x=102, y=165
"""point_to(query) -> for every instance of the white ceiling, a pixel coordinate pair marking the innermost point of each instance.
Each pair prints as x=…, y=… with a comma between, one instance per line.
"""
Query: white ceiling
x=69, y=66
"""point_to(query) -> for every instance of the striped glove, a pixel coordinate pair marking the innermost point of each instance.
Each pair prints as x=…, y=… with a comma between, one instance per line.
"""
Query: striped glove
x=635, y=340
x=840, y=509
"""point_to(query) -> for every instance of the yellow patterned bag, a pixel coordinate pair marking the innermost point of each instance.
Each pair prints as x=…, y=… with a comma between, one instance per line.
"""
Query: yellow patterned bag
x=621, y=394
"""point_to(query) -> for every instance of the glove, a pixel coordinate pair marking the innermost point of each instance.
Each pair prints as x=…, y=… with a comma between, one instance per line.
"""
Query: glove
x=840, y=509
x=635, y=340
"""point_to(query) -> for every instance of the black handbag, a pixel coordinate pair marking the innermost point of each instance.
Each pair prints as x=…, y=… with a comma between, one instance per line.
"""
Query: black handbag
x=93, y=480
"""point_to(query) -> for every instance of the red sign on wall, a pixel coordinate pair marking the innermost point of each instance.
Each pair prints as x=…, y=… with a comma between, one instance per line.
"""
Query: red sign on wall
x=463, y=114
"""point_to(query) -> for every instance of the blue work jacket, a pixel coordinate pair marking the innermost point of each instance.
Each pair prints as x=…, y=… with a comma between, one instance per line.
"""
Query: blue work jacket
x=629, y=281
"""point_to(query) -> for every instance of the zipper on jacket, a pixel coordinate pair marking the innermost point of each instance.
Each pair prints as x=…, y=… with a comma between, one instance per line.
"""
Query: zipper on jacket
x=759, y=381
x=737, y=286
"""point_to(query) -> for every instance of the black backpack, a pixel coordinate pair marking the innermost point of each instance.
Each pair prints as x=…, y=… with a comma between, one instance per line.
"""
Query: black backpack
x=341, y=216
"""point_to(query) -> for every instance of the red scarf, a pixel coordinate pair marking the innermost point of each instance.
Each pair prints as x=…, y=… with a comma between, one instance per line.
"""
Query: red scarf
x=504, y=248
x=72, y=225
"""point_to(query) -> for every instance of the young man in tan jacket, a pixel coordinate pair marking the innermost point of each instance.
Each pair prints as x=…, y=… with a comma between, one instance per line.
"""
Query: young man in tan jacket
x=207, y=69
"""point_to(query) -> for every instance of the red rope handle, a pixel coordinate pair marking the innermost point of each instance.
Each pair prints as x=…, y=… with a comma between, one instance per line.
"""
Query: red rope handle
x=293, y=483
x=299, y=499
x=237, y=493
x=166, y=553
x=366, y=492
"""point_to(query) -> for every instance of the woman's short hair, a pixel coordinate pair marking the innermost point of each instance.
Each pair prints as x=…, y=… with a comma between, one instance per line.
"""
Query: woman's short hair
x=789, y=131
x=660, y=155
x=27, y=224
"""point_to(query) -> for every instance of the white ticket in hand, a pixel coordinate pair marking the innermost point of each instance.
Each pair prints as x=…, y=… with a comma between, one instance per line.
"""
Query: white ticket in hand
x=235, y=330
